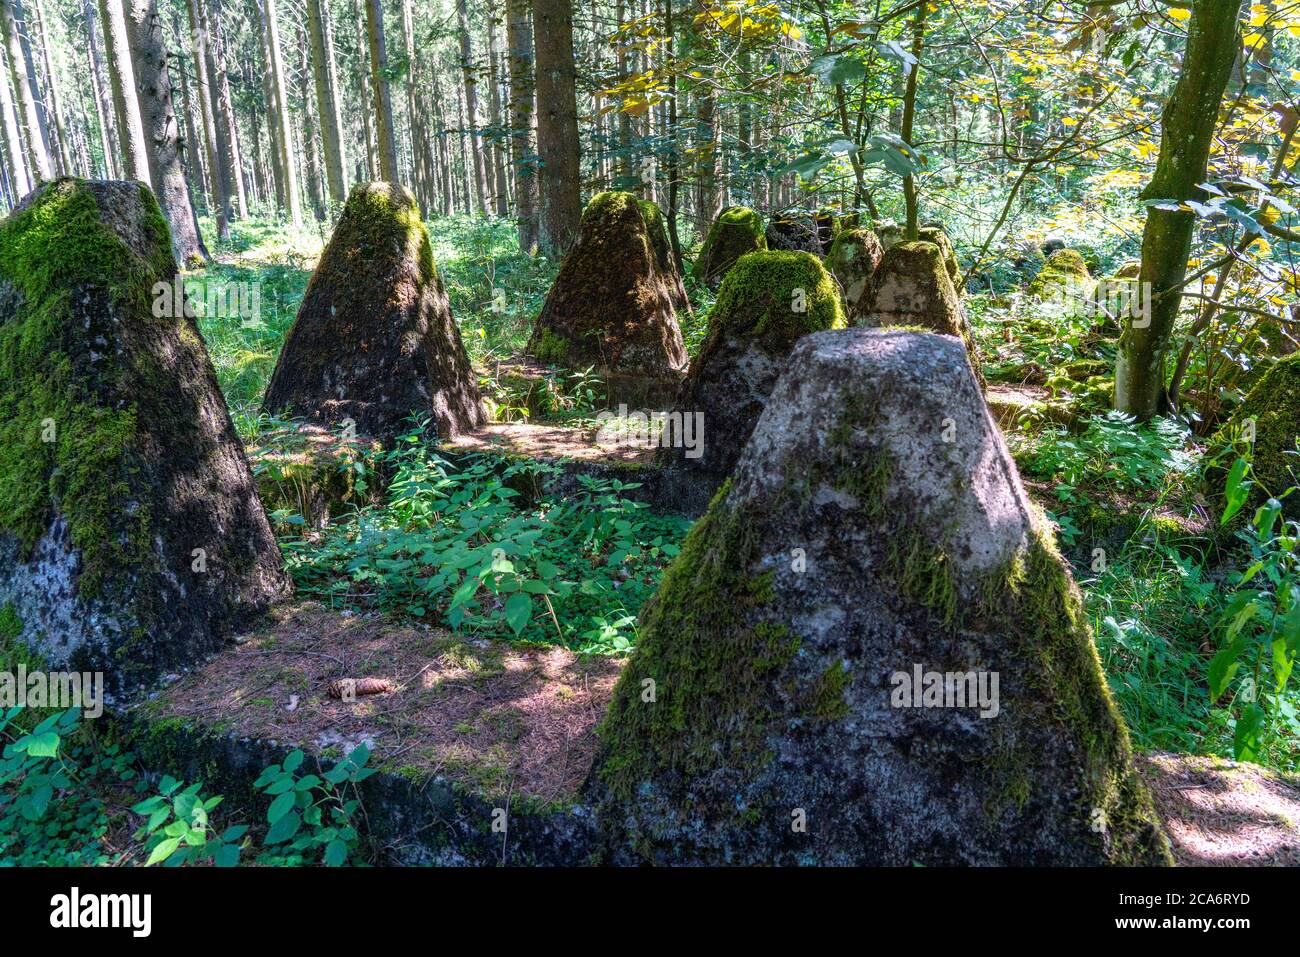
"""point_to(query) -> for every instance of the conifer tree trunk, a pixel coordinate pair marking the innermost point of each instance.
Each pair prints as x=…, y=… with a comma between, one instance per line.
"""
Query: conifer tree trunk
x=471, y=104
x=280, y=112
x=29, y=120
x=501, y=192
x=385, y=140
x=224, y=105
x=557, y=125
x=519, y=39
x=363, y=85
x=162, y=131
x=99, y=87
x=15, y=158
x=61, y=130
x=327, y=101
x=126, y=108
x=213, y=147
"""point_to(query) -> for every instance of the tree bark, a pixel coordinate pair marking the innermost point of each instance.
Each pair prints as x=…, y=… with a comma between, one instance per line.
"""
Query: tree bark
x=217, y=162
x=61, y=130
x=38, y=157
x=385, y=141
x=471, y=104
x=126, y=108
x=519, y=39
x=1188, y=125
x=501, y=193
x=331, y=122
x=315, y=187
x=162, y=137
x=557, y=125
x=227, y=126
x=912, y=229
x=99, y=86
x=363, y=85
x=280, y=112
x=14, y=152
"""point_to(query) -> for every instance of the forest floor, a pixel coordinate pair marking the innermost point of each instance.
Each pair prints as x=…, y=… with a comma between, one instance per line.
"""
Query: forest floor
x=510, y=709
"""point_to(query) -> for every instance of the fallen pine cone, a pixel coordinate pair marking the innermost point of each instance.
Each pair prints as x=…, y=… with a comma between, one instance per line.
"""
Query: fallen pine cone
x=349, y=688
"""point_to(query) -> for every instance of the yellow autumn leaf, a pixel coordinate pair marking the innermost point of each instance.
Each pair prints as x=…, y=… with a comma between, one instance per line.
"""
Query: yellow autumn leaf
x=1179, y=14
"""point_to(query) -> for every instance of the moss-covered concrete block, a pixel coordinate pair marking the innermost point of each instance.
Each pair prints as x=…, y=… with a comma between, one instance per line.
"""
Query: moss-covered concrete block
x=374, y=341
x=736, y=231
x=912, y=287
x=1064, y=273
x=1271, y=411
x=768, y=301
x=853, y=257
x=614, y=303
x=131, y=535
x=874, y=527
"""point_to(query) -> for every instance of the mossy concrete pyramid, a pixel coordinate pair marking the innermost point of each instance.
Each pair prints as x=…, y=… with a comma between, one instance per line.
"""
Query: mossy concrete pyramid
x=737, y=230
x=374, y=341
x=853, y=258
x=1064, y=272
x=794, y=234
x=875, y=527
x=912, y=287
x=936, y=234
x=1272, y=408
x=614, y=304
x=766, y=303
x=132, y=540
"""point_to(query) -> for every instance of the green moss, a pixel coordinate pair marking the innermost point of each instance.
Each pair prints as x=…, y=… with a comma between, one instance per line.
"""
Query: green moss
x=716, y=662
x=737, y=230
x=709, y=663
x=551, y=348
x=1274, y=405
x=57, y=248
x=826, y=696
x=760, y=295
x=1064, y=267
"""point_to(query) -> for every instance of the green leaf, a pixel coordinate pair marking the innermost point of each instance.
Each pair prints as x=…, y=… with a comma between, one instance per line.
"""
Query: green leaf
x=336, y=853
x=294, y=761
x=44, y=745
x=163, y=850
x=281, y=806
x=519, y=611
x=284, y=829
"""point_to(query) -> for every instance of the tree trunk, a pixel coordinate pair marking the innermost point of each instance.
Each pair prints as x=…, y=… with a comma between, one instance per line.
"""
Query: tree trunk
x=99, y=86
x=14, y=154
x=126, y=108
x=912, y=229
x=501, y=194
x=61, y=131
x=38, y=157
x=227, y=127
x=1188, y=125
x=519, y=38
x=193, y=154
x=331, y=122
x=557, y=125
x=280, y=113
x=385, y=140
x=161, y=131
x=471, y=104
x=420, y=173
x=314, y=185
x=211, y=130
x=363, y=71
